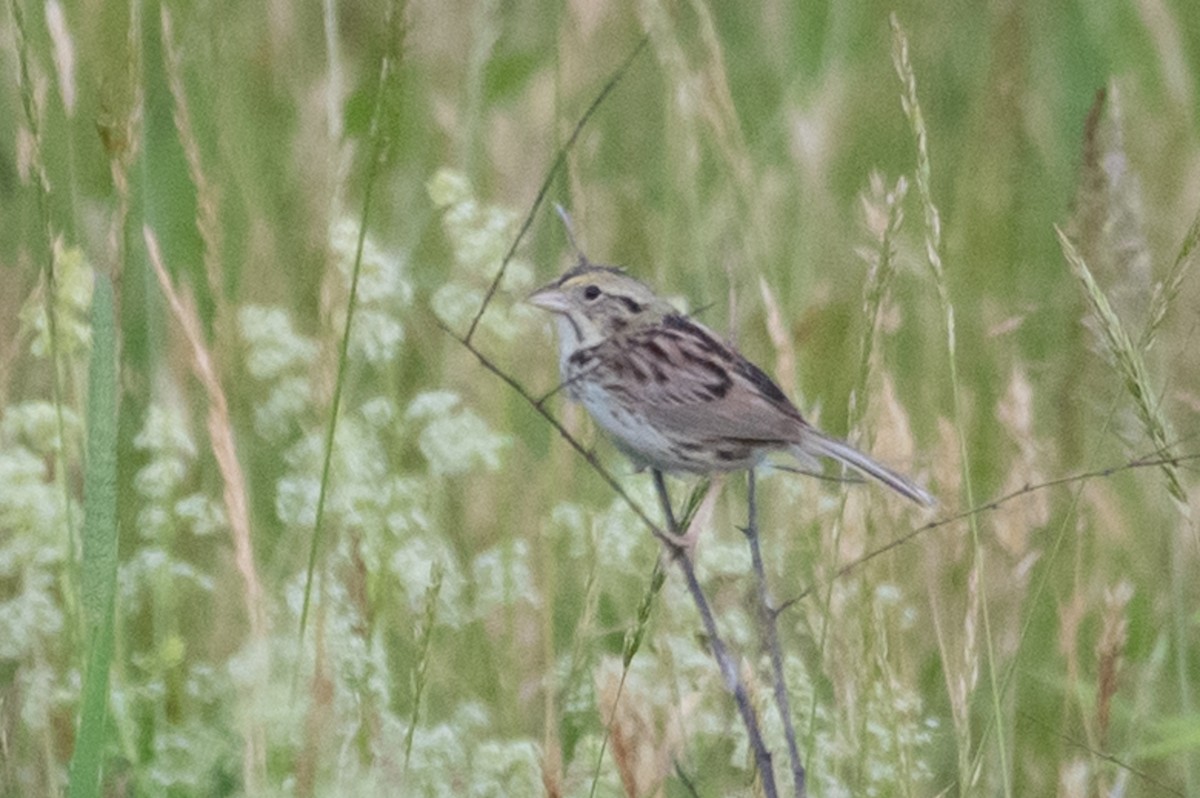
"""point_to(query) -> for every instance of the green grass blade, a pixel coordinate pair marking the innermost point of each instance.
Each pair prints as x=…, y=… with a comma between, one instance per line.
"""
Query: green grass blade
x=379, y=144
x=99, y=577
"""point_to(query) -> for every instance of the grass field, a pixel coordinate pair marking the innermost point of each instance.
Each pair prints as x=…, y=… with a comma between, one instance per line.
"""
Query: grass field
x=962, y=238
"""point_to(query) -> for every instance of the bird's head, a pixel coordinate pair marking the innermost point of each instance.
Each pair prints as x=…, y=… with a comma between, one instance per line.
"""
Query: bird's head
x=593, y=303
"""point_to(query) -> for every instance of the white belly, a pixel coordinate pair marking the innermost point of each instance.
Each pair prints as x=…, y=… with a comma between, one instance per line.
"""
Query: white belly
x=645, y=445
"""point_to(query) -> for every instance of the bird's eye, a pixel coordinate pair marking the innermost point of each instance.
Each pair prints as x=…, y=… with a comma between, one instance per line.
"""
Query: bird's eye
x=591, y=292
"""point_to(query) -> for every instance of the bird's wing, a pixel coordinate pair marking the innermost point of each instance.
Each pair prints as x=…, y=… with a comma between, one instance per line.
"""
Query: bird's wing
x=684, y=379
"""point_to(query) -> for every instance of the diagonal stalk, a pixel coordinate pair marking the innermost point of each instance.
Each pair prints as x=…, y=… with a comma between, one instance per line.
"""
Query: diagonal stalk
x=729, y=672
x=767, y=617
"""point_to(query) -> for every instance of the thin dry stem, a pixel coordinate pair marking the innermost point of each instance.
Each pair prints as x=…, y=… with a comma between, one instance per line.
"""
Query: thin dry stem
x=41, y=181
x=220, y=429
x=220, y=432
x=644, y=739
x=730, y=675
x=933, y=244
x=967, y=678
x=1109, y=650
x=768, y=617
x=1148, y=778
x=1152, y=461
x=559, y=162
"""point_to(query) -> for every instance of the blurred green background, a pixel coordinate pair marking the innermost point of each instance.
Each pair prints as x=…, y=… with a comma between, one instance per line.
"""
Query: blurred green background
x=475, y=580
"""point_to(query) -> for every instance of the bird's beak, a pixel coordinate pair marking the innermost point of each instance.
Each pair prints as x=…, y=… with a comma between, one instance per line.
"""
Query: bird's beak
x=549, y=297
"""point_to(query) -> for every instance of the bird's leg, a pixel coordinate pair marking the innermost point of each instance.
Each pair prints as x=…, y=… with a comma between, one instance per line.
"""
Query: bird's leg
x=664, y=499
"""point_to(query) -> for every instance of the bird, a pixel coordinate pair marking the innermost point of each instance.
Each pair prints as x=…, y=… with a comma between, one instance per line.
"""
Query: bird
x=672, y=395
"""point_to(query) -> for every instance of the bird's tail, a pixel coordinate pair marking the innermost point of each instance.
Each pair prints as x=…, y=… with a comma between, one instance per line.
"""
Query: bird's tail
x=818, y=443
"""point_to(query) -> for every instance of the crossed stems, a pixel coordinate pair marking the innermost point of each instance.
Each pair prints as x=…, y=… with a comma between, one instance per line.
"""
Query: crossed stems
x=730, y=674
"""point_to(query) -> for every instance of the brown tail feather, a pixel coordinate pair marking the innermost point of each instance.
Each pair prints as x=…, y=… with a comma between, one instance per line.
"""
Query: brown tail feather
x=816, y=442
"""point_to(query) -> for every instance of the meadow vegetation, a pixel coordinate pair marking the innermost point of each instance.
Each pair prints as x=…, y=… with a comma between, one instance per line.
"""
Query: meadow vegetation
x=245, y=553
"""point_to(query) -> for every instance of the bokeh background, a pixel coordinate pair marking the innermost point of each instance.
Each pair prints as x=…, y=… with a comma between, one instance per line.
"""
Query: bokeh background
x=477, y=588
